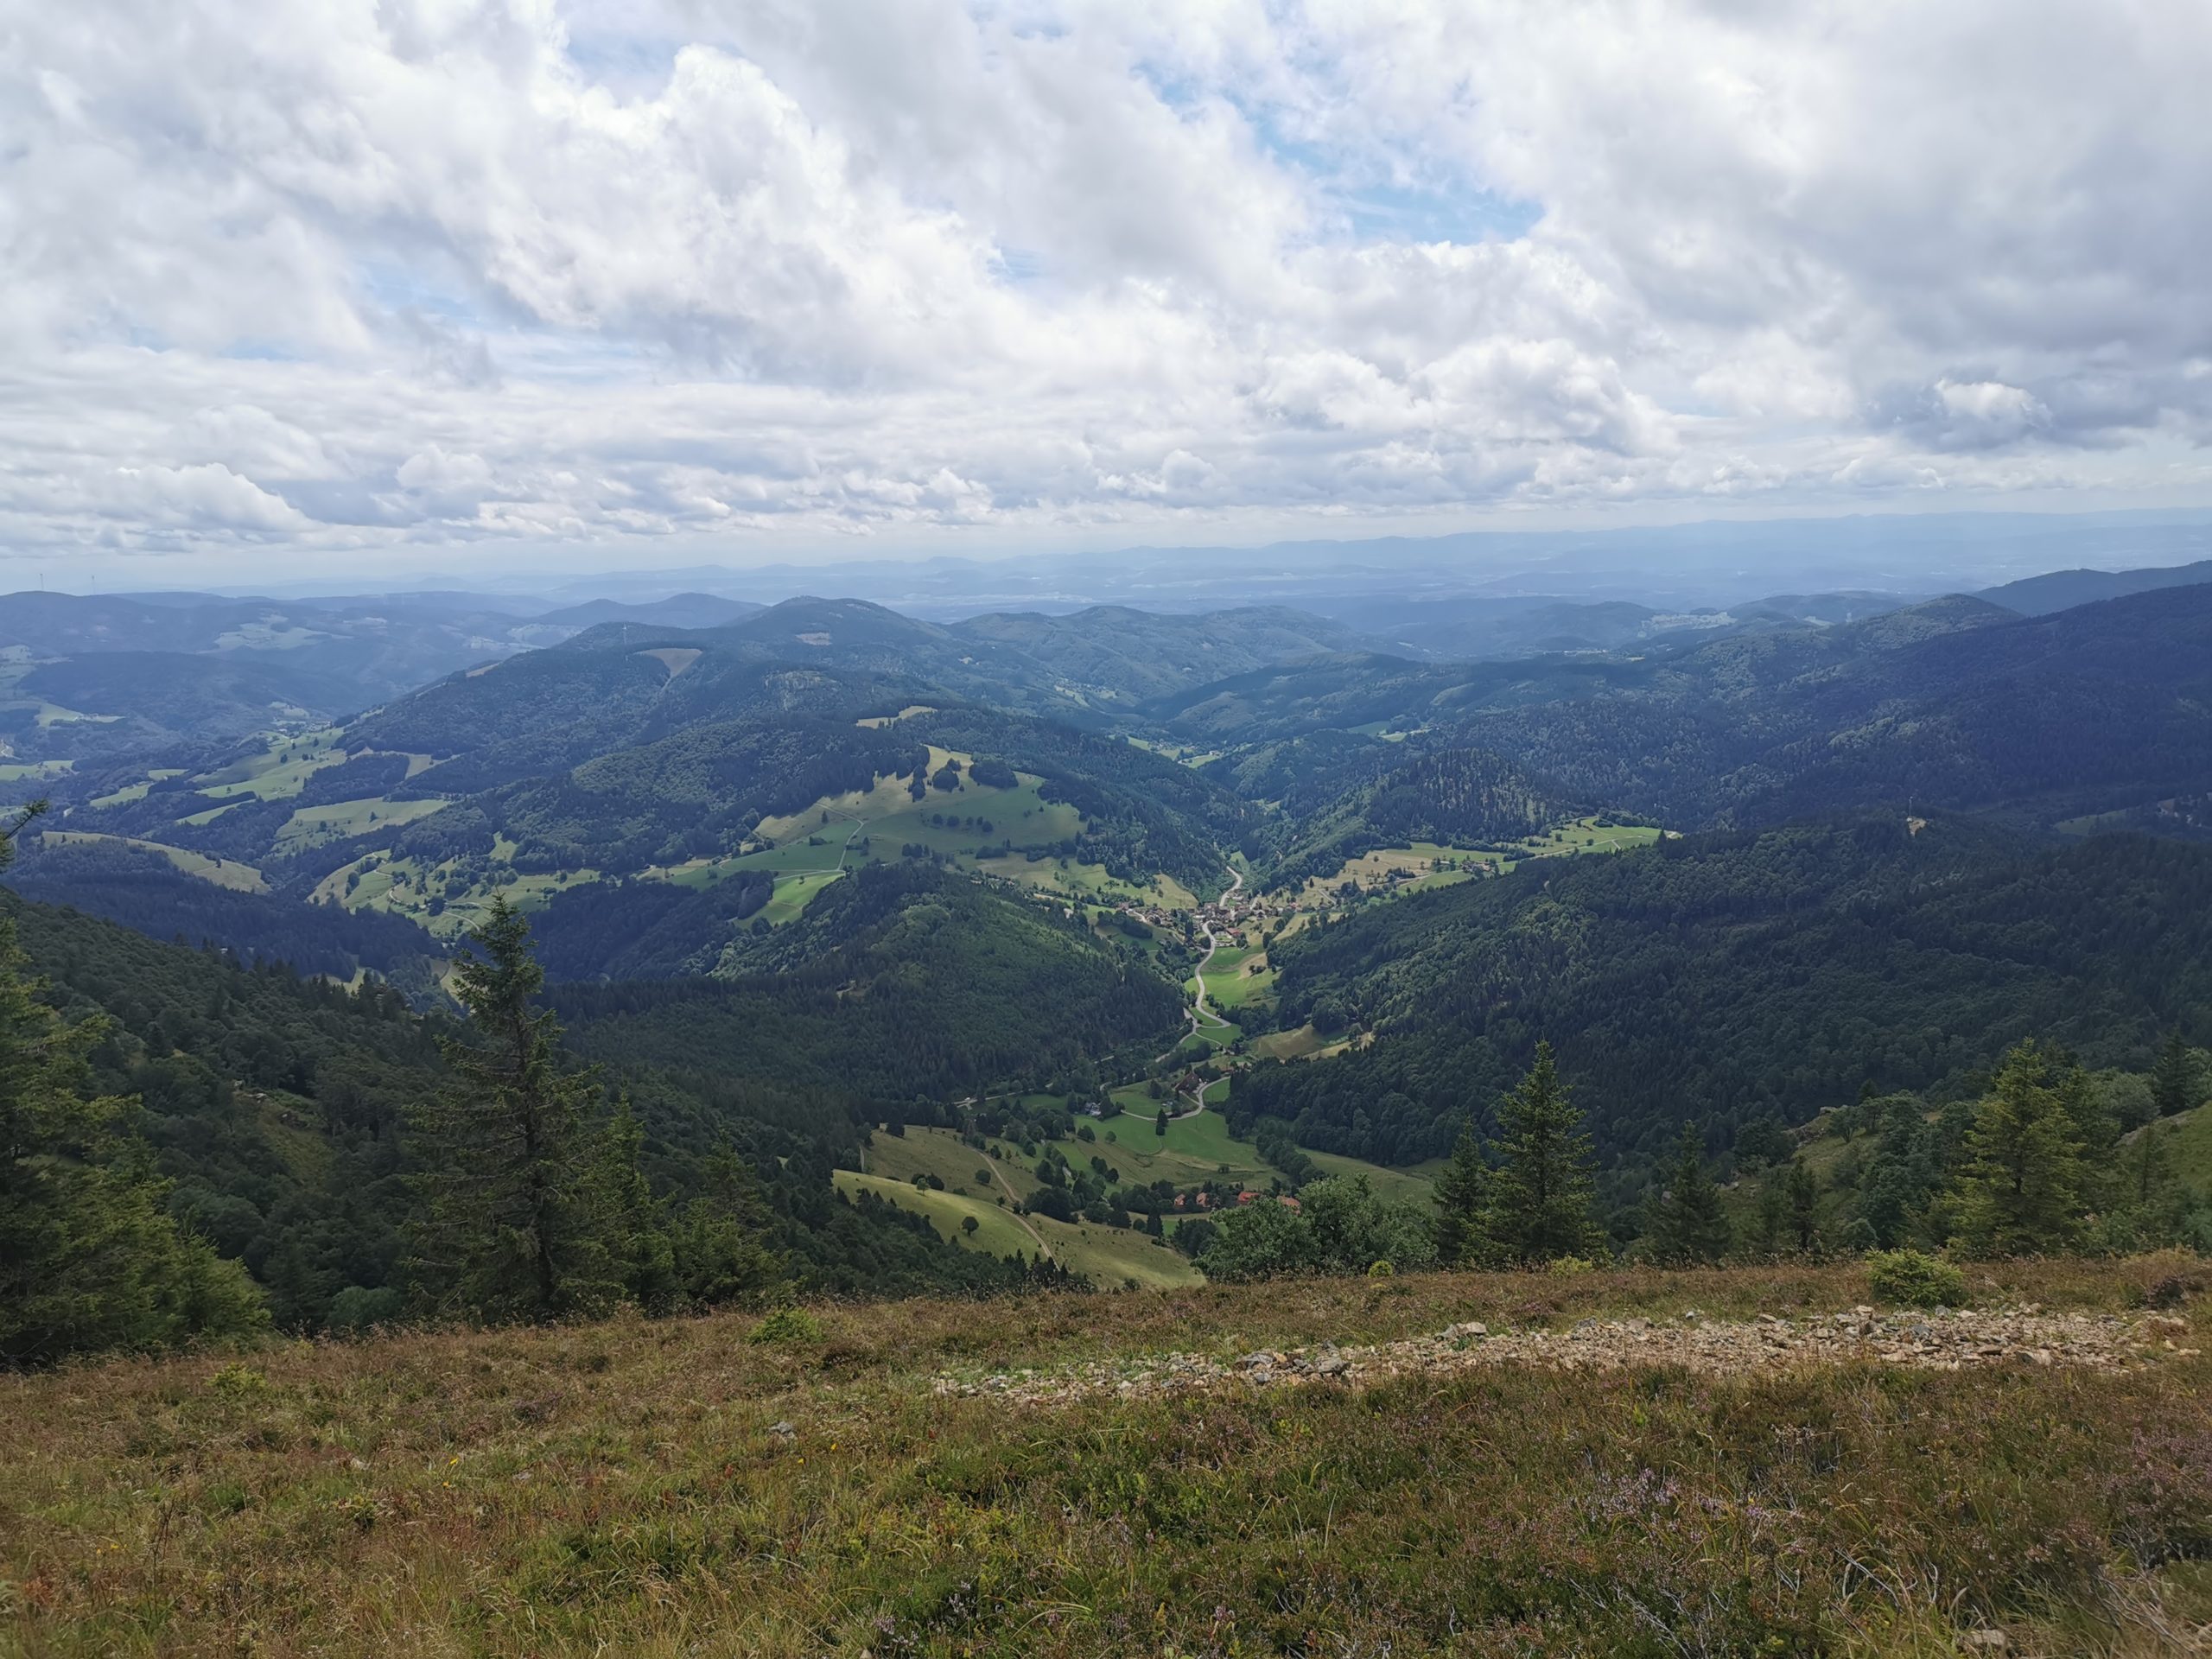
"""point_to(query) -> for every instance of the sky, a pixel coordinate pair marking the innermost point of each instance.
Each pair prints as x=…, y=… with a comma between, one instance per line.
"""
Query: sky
x=296, y=285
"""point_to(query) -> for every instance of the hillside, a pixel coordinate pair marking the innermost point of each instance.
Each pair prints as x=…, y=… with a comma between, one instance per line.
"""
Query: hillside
x=2059, y=590
x=1955, y=703
x=1721, y=977
x=1186, y=1472
x=277, y=1106
x=1457, y=797
x=92, y=680
x=899, y=984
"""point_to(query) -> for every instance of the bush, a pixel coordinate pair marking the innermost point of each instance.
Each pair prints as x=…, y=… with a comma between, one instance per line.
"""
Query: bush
x=787, y=1327
x=1914, y=1280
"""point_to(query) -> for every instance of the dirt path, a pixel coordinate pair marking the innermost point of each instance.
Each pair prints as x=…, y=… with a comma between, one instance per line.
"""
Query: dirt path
x=1931, y=1340
x=1014, y=1207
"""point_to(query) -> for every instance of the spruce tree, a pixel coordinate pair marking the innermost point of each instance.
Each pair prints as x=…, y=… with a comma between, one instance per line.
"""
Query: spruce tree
x=2177, y=1081
x=1804, y=1196
x=1685, y=1223
x=511, y=1221
x=642, y=1257
x=90, y=1258
x=1462, y=1198
x=718, y=1237
x=2020, y=1191
x=1539, y=1202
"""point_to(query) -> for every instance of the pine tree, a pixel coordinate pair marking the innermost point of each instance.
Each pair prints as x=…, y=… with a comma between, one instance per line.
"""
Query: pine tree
x=2020, y=1191
x=511, y=1220
x=1540, y=1205
x=1462, y=1198
x=2177, y=1081
x=1685, y=1223
x=1159, y=1123
x=90, y=1259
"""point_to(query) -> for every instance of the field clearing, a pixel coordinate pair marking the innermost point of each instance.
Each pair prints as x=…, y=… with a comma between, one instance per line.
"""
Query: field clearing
x=877, y=723
x=793, y=894
x=2184, y=1141
x=1195, y=1149
x=1109, y=1257
x=136, y=792
x=51, y=714
x=309, y=826
x=1238, y=977
x=282, y=769
x=943, y=1154
x=689, y=1490
x=17, y=772
x=223, y=872
x=1434, y=864
x=998, y=1231
x=405, y=888
x=1414, y=1186
x=1087, y=882
x=886, y=797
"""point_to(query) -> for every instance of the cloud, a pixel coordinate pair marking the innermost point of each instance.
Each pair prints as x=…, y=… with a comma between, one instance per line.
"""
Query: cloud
x=482, y=271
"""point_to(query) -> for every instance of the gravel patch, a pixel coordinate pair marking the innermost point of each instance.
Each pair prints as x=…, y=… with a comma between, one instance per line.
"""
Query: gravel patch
x=1936, y=1339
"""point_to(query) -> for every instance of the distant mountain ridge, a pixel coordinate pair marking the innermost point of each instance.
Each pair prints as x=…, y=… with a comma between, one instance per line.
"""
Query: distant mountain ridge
x=2062, y=590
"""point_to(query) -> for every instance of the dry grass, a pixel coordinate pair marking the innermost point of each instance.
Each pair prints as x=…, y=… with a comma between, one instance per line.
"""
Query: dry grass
x=623, y=1488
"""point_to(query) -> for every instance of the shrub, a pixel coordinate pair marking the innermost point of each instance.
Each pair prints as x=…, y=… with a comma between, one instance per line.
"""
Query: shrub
x=1915, y=1280
x=787, y=1327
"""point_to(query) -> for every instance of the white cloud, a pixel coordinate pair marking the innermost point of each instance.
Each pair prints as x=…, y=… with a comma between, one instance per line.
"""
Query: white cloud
x=438, y=271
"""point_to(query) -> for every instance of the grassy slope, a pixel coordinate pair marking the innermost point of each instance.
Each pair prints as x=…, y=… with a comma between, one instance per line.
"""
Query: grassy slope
x=618, y=1488
x=1106, y=1256
x=1197, y=1148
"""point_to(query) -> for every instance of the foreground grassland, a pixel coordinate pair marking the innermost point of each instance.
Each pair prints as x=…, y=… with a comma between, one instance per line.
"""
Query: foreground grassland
x=675, y=1488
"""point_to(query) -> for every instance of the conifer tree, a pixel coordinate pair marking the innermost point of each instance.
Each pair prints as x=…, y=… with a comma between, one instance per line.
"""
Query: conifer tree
x=90, y=1259
x=1685, y=1223
x=643, y=1258
x=2177, y=1081
x=512, y=1221
x=1462, y=1198
x=717, y=1236
x=1540, y=1203
x=1804, y=1196
x=2021, y=1188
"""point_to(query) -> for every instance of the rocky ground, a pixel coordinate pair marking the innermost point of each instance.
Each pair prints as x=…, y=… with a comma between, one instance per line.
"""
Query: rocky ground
x=1929, y=1339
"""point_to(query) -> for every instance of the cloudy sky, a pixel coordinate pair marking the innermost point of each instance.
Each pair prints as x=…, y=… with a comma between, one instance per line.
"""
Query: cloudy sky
x=290, y=285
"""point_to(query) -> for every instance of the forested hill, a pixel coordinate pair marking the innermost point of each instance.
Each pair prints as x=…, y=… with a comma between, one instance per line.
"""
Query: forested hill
x=276, y=1106
x=1460, y=796
x=901, y=983
x=1957, y=703
x=1722, y=977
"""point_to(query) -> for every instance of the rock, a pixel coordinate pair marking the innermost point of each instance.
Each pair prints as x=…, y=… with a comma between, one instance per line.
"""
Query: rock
x=786, y=1432
x=1471, y=1328
x=1334, y=1365
x=1984, y=1641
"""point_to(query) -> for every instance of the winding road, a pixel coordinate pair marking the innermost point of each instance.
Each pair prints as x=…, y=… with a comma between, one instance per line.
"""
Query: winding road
x=1198, y=1013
